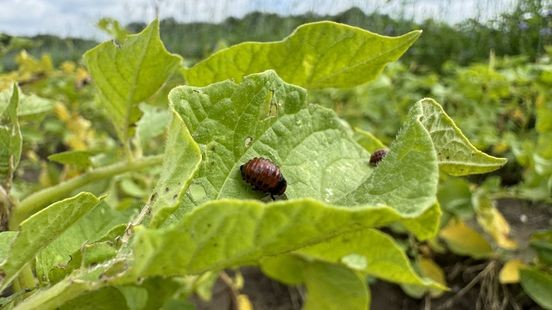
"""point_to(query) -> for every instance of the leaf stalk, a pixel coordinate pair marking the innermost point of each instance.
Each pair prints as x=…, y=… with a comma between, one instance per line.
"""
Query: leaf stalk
x=37, y=201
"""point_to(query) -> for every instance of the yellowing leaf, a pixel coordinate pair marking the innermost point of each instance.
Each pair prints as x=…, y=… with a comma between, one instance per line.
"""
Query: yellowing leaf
x=67, y=67
x=510, y=272
x=492, y=221
x=30, y=66
x=431, y=270
x=464, y=240
x=244, y=303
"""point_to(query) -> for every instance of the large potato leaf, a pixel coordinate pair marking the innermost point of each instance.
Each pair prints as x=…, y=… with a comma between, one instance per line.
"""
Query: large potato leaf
x=316, y=55
x=232, y=232
x=129, y=72
x=265, y=117
x=41, y=229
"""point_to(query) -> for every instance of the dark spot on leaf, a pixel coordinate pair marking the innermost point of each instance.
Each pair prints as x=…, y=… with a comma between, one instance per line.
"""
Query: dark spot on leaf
x=175, y=195
x=166, y=189
x=153, y=197
x=448, y=157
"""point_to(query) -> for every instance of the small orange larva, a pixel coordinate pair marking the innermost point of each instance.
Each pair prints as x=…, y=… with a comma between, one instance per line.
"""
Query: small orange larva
x=264, y=176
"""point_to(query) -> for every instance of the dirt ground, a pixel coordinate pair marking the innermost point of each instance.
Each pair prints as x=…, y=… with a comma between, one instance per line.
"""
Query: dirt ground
x=473, y=283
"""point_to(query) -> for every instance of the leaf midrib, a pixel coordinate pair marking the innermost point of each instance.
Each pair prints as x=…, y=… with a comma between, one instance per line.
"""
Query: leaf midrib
x=132, y=89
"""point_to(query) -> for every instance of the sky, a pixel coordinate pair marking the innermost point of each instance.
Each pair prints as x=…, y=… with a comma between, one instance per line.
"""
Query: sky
x=77, y=18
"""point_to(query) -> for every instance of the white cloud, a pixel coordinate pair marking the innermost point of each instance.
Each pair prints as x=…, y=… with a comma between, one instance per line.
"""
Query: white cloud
x=78, y=17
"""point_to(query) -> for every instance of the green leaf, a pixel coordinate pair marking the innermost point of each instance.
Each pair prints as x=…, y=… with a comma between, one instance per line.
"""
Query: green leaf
x=10, y=139
x=456, y=155
x=60, y=293
x=317, y=55
x=408, y=175
x=336, y=287
x=455, y=196
x=384, y=258
x=52, y=262
x=537, y=284
x=6, y=239
x=41, y=229
x=104, y=298
x=544, y=129
x=80, y=159
x=541, y=241
x=264, y=117
x=329, y=286
x=429, y=138
x=29, y=105
x=159, y=292
x=182, y=159
x=153, y=123
x=128, y=73
x=83, y=286
x=225, y=233
x=136, y=297
x=427, y=224
x=286, y=268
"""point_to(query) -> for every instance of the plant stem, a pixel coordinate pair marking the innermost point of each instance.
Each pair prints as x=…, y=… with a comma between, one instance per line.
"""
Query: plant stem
x=37, y=201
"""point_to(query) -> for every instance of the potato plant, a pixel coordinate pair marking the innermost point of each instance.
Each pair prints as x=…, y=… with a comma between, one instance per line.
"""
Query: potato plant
x=68, y=246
